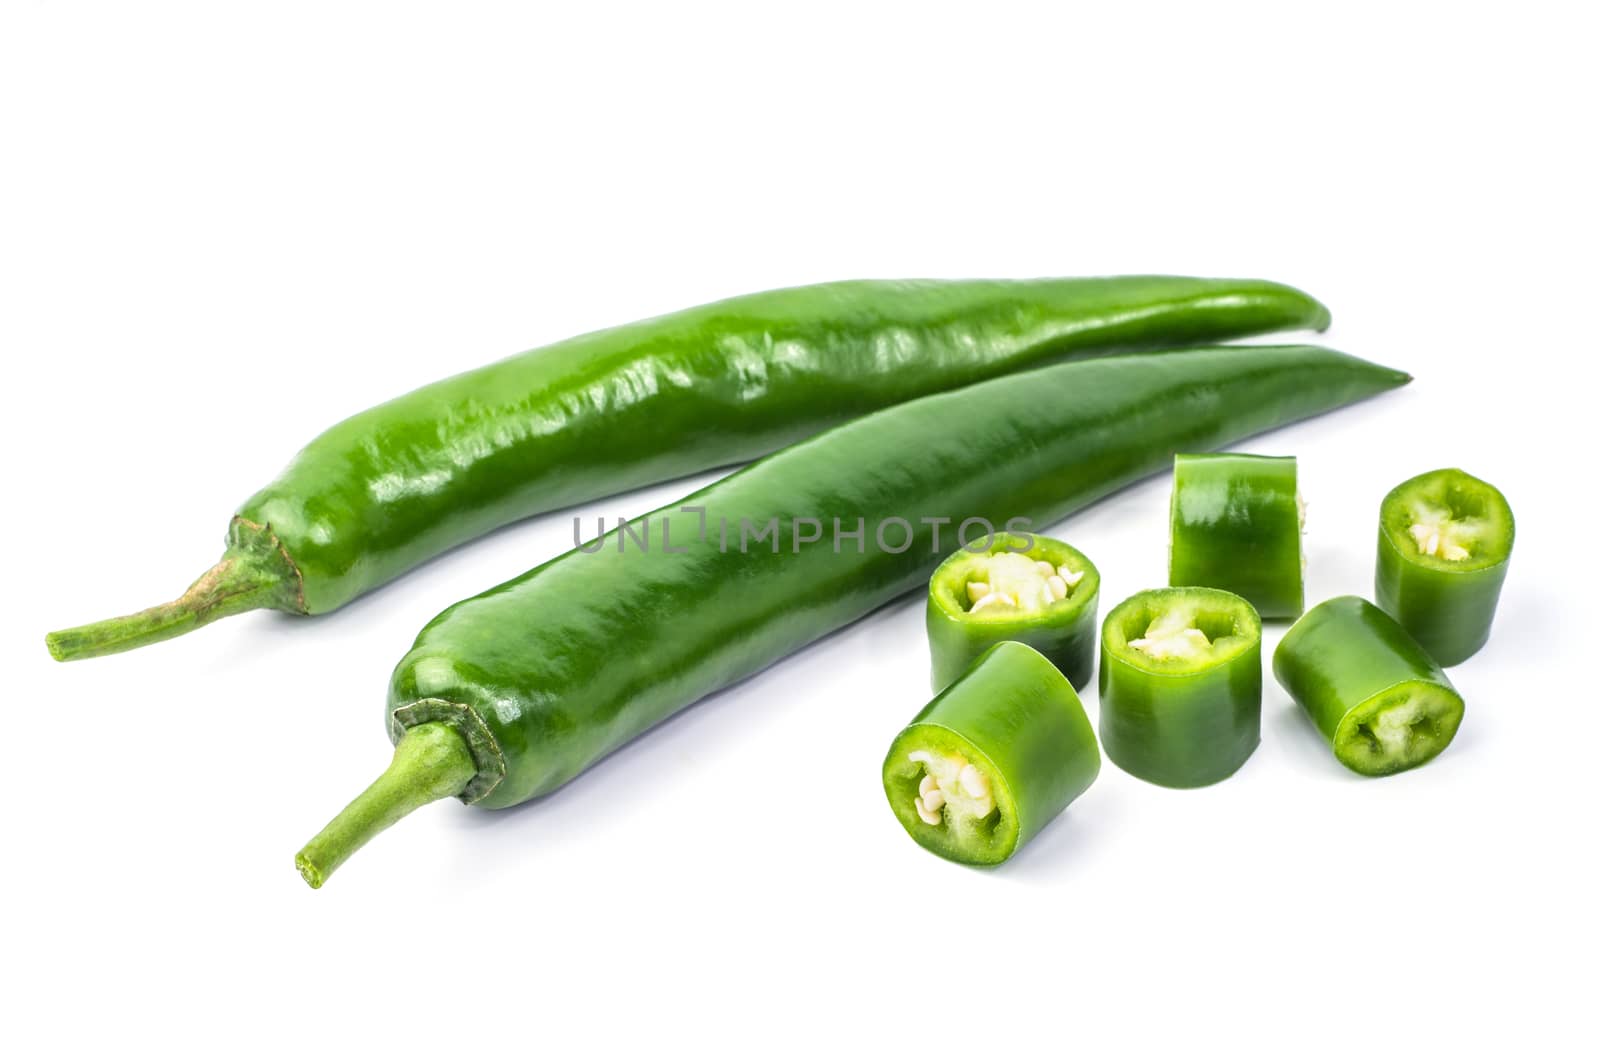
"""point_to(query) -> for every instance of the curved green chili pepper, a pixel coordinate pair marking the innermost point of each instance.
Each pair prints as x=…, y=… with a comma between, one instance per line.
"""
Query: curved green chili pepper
x=1036, y=590
x=993, y=759
x=388, y=488
x=1180, y=685
x=1236, y=522
x=1444, y=544
x=1370, y=689
x=544, y=675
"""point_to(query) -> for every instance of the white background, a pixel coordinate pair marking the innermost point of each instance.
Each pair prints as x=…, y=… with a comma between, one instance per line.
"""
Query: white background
x=226, y=228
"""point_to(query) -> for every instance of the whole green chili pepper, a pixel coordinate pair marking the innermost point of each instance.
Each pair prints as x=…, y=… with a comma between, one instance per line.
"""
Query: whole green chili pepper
x=1036, y=590
x=520, y=689
x=1372, y=691
x=1180, y=685
x=1444, y=544
x=610, y=411
x=993, y=759
x=1236, y=522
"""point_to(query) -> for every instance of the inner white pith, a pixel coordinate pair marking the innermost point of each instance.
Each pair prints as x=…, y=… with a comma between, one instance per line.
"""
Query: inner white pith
x=1394, y=727
x=1012, y=582
x=1173, y=636
x=1437, y=534
x=950, y=784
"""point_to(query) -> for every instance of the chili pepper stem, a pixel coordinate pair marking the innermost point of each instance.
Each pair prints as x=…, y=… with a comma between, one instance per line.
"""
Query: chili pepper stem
x=230, y=587
x=431, y=762
x=253, y=574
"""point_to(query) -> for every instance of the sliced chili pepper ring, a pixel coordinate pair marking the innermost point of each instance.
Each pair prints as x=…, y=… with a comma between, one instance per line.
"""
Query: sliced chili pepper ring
x=1236, y=524
x=992, y=759
x=1180, y=685
x=1382, y=703
x=1037, y=591
x=1444, y=544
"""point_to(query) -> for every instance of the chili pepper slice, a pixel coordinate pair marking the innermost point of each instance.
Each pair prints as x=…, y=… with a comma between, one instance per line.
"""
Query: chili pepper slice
x=1374, y=693
x=992, y=759
x=1036, y=590
x=1180, y=685
x=542, y=676
x=1236, y=525
x=595, y=415
x=1444, y=545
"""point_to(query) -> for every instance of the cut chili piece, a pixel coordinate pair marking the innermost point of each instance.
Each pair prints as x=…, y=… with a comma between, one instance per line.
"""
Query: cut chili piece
x=1236, y=525
x=992, y=759
x=1444, y=544
x=1180, y=685
x=1374, y=693
x=1040, y=592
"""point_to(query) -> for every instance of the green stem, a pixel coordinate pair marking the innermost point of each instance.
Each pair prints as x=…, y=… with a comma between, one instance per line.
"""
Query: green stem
x=431, y=762
x=247, y=578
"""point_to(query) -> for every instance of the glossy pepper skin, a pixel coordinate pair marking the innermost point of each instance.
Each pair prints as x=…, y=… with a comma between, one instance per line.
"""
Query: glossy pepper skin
x=1063, y=631
x=1382, y=703
x=546, y=674
x=605, y=412
x=1235, y=525
x=1177, y=722
x=1444, y=545
x=1017, y=722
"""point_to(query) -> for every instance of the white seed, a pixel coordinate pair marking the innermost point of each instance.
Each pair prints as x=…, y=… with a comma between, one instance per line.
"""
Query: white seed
x=933, y=799
x=982, y=807
x=974, y=782
x=977, y=590
x=1070, y=576
x=921, y=756
x=1180, y=644
x=993, y=600
x=1045, y=569
x=928, y=816
x=928, y=784
x=1058, y=586
x=1454, y=553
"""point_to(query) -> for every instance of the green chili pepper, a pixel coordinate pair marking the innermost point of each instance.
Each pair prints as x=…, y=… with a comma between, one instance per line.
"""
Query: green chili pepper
x=542, y=676
x=1036, y=590
x=614, y=410
x=1444, y=544
x=1180, y=685
x=1236, y=522
x=993, y=759
x=1371, y=690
